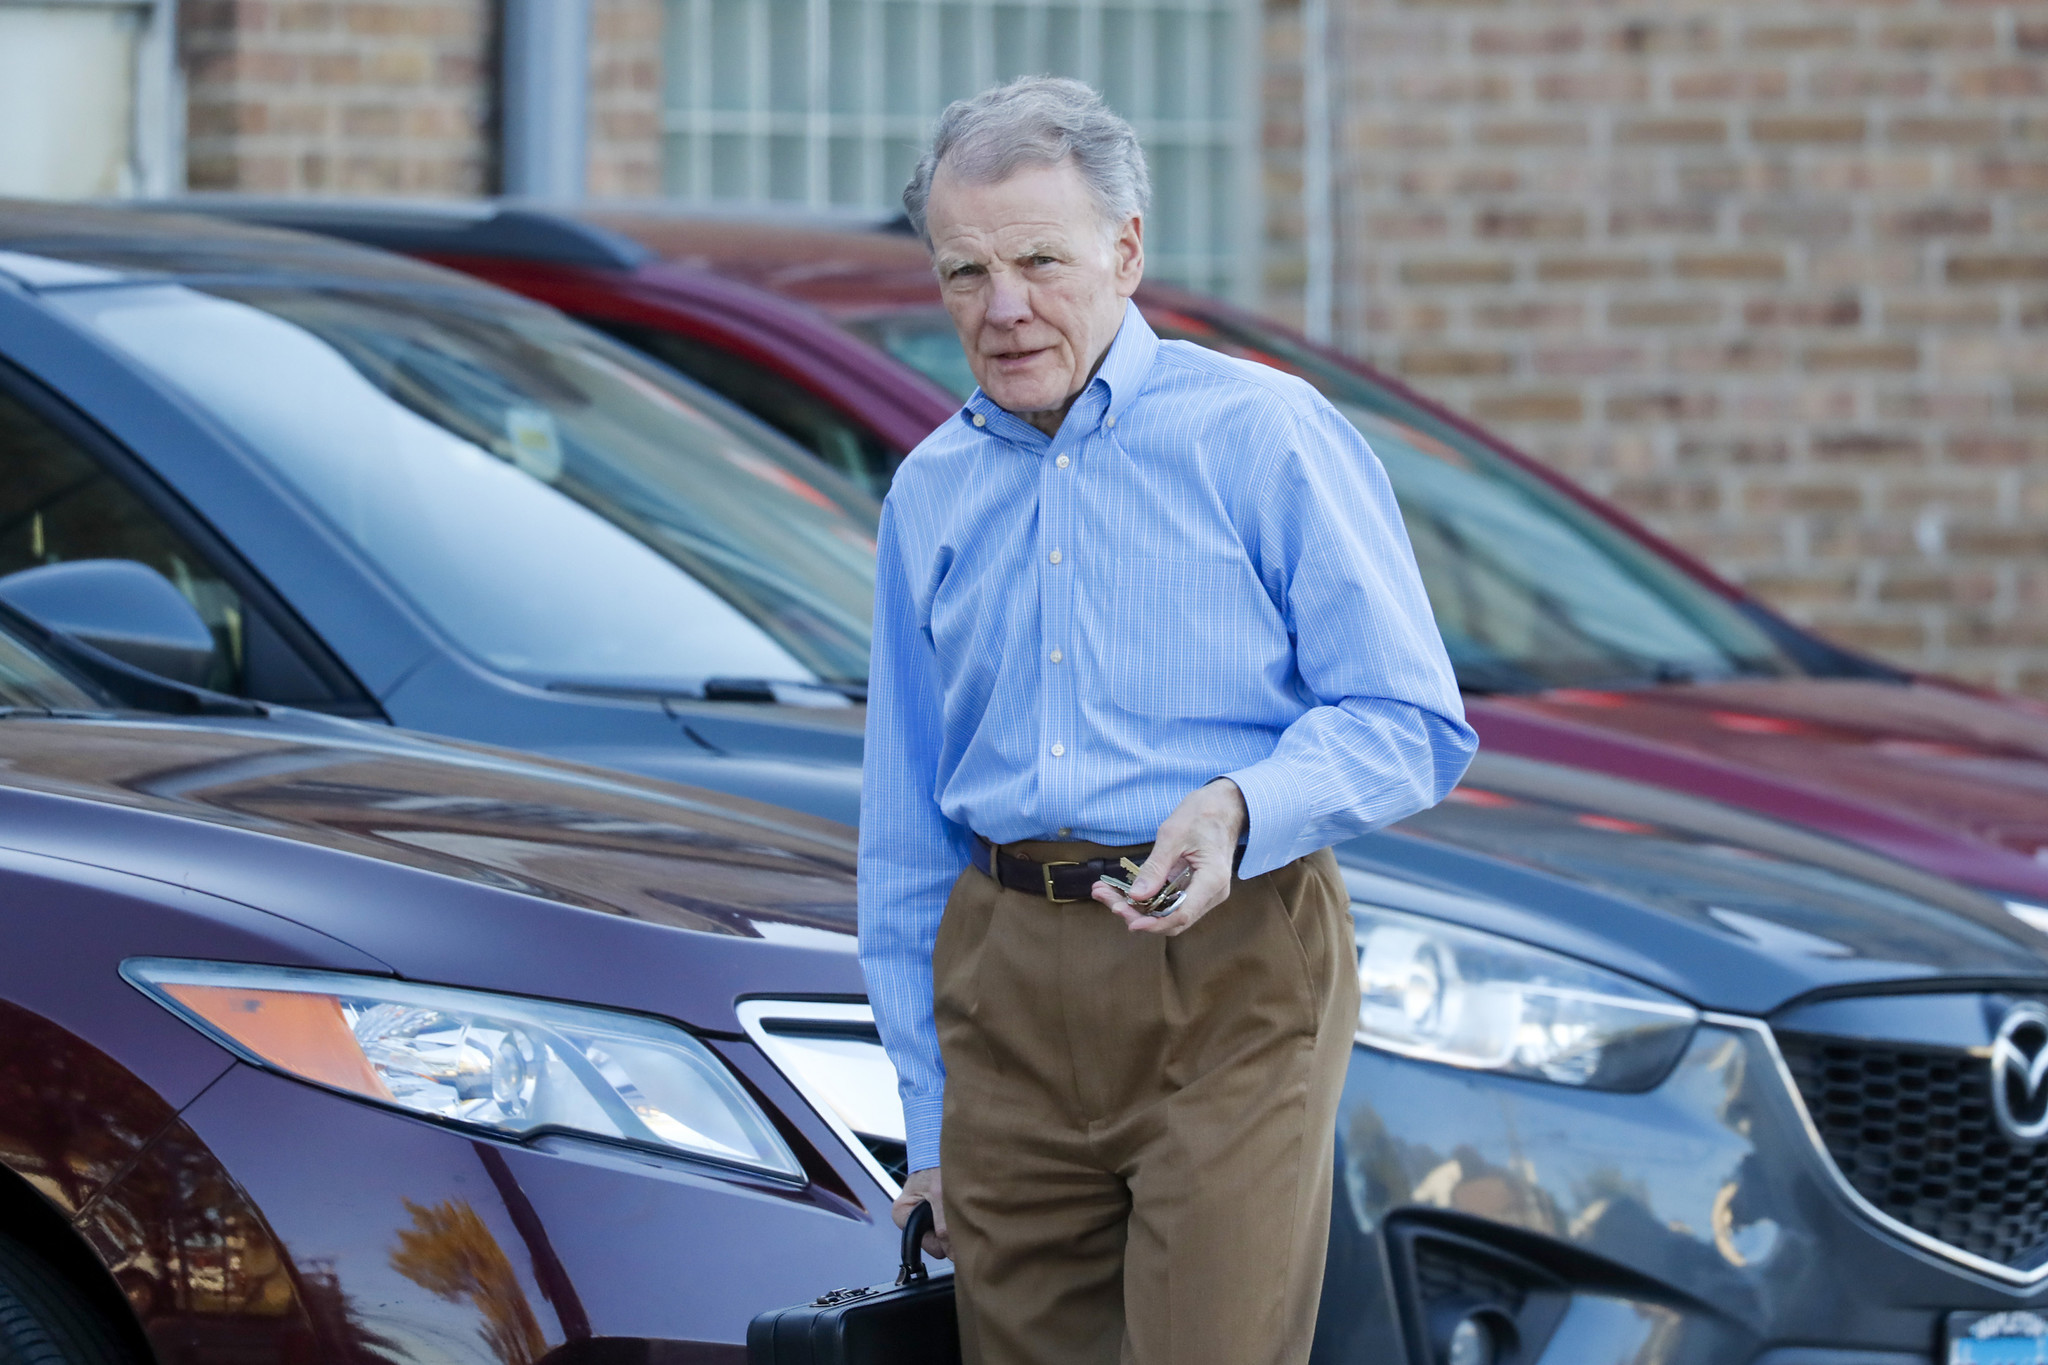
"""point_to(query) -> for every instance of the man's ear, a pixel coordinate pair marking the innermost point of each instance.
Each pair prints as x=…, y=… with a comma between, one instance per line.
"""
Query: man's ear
x=1127, y=248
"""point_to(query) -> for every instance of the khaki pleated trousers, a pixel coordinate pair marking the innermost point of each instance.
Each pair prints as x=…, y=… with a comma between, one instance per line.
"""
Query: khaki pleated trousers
x=1138, y=1132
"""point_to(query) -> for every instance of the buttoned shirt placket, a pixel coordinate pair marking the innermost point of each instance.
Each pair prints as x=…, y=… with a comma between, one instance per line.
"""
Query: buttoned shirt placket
x=1059, y=533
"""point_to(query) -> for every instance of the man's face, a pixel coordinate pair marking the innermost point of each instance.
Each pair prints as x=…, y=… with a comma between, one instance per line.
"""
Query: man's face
x=1034, y=280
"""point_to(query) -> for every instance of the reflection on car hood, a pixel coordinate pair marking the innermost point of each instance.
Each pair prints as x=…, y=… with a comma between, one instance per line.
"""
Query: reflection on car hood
x=1953, y=781
x=607, y=842
x=1722, y=907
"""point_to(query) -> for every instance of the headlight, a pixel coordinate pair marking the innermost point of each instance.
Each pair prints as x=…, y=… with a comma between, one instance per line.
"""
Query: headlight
x=510, y=1066
x=1443, y=993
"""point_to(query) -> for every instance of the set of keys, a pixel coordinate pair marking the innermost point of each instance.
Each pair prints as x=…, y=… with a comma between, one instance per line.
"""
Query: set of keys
x=1164, y=902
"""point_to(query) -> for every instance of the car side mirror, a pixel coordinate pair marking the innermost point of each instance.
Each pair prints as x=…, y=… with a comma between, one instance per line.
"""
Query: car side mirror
x=120, y=607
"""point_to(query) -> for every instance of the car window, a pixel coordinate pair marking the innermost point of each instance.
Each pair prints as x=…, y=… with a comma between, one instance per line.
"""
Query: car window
x=57, y=503
x=565, y=510
x=27, y=679
x=819, y=426
x=1531, y=589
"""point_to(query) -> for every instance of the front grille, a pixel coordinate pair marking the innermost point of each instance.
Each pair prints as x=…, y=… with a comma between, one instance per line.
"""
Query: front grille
x=1911, y=1129
x=1441, y=1274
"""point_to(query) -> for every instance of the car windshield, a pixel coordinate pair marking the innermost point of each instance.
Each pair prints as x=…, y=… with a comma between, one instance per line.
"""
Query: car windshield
x=1531, y=588
x=566, y=511
x=28, y=681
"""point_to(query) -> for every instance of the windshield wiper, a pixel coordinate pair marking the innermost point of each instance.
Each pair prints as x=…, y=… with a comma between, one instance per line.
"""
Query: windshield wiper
x=774, y=691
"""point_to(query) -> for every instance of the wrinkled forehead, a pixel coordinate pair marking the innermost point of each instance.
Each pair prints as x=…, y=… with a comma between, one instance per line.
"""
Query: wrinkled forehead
x=1038, y=206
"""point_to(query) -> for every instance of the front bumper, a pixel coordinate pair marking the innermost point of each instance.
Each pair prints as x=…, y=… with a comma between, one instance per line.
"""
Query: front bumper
x=1695, y=1223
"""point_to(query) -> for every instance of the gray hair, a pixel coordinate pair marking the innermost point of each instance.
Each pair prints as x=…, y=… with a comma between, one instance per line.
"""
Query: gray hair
x=1036, y=121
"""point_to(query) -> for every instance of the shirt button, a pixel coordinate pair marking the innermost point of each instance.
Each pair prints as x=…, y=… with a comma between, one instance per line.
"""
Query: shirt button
x=1065, y=831
x=1110, y=420
x=1056, y=656
x=1059, y=751
x=1063, y=462
x=1055, y=556
x=979, y=420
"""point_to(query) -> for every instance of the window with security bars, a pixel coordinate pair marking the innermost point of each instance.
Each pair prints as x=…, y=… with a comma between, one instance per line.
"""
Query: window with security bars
x=825, y=103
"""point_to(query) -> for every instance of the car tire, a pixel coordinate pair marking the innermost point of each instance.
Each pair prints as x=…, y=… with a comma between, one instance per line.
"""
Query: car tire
x=45, y=1320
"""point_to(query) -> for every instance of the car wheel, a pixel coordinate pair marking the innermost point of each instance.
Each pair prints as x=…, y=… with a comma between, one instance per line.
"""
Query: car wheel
x=45, y=1320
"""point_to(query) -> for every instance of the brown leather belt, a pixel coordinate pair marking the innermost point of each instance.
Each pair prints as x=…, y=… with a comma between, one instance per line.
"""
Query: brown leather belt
x=1058, y=882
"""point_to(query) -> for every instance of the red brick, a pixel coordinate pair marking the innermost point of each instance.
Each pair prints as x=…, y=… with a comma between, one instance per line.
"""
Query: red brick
x=1938, y=35
x=1549, y=39
x=1795, y=128
x=1743, y=83
x=1530, y=315
x=1533, y=132
x=1873, y=355
x=1458, y=270
x=1797, y=219
x=1867, y=447
x=1593, y=267
x=2014, y=80
x=1674, y=130
x=1644, y=35
x=1664, y=313
x=2002, y=267
x=1532, y=224
x=1966, y=129
x=1667, y=404
x=1839, y=309
x=1686, y=219
x=1530, y=405
x=1730, y=265
x=1801, y=37
x=1441, y=362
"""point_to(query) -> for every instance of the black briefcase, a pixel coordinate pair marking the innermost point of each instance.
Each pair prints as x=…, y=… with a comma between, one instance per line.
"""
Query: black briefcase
x=909, y=1322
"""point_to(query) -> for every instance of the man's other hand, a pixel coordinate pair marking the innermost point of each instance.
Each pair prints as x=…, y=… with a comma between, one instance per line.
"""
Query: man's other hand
x=1201, y=834
x=926, y=1185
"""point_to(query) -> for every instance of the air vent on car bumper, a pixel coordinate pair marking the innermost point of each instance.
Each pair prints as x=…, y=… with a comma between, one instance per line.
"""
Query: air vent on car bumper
x=1912, y=1129
x=832, y=1053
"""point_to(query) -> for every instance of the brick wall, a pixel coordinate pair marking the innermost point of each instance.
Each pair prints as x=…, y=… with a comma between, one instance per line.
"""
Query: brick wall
x=1775, y=276
x=339, y=96
x=625, y=98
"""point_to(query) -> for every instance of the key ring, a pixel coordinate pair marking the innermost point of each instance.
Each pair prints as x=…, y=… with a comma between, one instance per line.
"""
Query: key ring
x=1161, y=904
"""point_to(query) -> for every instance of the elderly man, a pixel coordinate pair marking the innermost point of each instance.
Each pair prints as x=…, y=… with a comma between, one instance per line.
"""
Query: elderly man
x=1138, y=601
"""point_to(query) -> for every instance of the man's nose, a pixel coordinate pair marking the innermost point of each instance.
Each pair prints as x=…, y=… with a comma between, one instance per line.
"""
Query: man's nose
x=1009, y=302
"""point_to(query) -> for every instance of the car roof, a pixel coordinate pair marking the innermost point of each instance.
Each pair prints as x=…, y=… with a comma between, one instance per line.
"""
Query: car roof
x=472, y=227
x=841, y=266
x=134, y=242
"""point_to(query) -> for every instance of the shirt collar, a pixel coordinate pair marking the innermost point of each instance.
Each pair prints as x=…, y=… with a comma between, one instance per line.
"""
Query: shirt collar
x=1121, y=376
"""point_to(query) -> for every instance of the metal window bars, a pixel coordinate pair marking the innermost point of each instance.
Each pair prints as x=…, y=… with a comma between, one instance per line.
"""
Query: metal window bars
x=825, y=103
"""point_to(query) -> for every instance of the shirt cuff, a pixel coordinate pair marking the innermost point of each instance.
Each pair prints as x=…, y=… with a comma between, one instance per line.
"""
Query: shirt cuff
x=1278, y=810
x=922, y=1116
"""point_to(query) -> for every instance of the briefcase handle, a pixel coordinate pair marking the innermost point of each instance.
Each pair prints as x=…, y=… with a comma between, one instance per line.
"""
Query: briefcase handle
x=920, y=1222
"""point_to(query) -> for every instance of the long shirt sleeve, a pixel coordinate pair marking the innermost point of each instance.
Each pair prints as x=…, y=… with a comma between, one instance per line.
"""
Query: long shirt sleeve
x=1387, y=735
x=910, y=853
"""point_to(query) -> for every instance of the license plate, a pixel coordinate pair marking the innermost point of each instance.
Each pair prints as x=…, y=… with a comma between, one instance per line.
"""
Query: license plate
x=2008, y=1338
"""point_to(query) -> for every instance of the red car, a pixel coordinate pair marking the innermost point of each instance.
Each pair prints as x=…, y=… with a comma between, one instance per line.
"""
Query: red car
x=1579, y=636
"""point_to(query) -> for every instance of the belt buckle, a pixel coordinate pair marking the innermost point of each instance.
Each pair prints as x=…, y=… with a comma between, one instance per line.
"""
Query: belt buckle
x=1045, y=870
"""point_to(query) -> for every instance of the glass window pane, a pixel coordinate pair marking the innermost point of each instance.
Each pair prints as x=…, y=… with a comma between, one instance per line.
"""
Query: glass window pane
x=789, y=55
x=730, y=66
x=58, y=505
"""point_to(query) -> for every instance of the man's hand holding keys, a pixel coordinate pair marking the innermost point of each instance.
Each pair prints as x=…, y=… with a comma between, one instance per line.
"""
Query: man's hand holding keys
x=1196, y=847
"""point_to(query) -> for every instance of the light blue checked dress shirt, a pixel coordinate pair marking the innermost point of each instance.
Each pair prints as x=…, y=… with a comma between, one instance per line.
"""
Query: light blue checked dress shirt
x=1204, y=574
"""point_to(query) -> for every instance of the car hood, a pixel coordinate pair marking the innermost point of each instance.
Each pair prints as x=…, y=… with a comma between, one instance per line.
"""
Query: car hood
x=1727, y=909
x=452, y=862
x=1953, y=781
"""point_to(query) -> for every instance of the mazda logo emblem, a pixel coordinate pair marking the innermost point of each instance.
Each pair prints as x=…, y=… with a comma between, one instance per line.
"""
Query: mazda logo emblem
x=2019, y=1073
